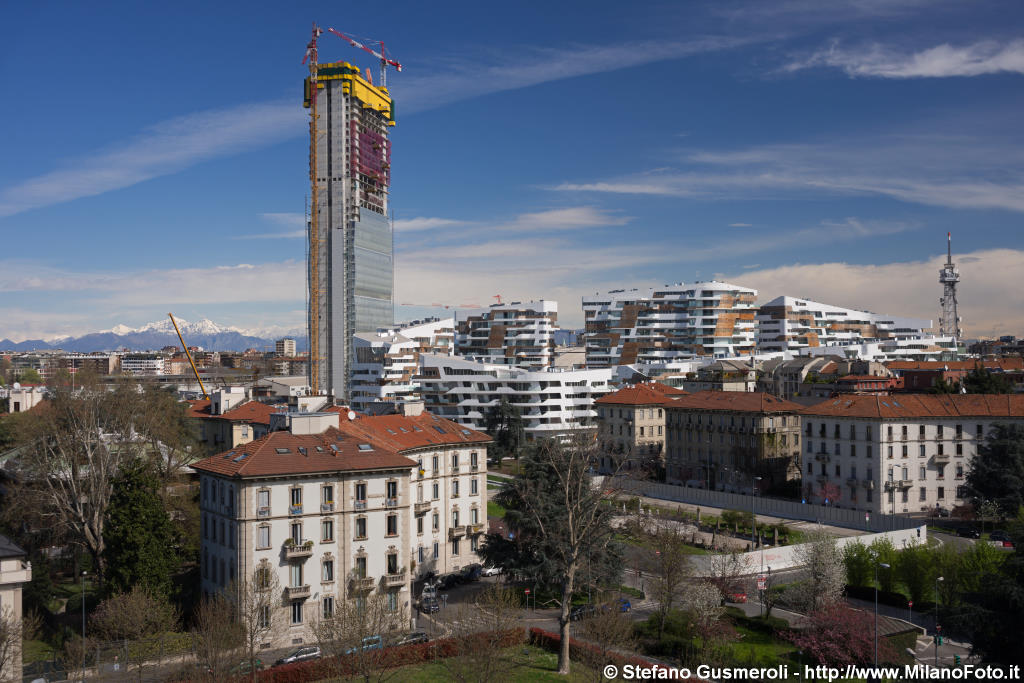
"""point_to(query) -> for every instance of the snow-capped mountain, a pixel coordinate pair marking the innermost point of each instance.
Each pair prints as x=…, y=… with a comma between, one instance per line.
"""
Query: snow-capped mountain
x=156, y=335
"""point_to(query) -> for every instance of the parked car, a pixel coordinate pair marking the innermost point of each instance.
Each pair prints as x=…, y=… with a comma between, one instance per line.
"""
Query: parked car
x=471, y=572
x=448, y=581
x=1002, y=537
x=967, y=532
x=303, y=654
x=491, y=571
x=736, y=597
x=941, y=512
x=243, y=667
x=413, y=637
x=582, y=612
x=429, y=605
x=623, y=605
x=369, y=643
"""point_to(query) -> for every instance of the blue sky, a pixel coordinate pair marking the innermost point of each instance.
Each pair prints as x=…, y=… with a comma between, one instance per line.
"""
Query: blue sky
x=154, y=155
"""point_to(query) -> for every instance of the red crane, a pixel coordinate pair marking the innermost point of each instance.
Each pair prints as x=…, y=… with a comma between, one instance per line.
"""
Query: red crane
x=382, y=55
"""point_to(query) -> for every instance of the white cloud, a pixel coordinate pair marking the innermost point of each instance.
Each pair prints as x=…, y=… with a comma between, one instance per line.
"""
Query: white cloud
x=164, y=148
x=422, y=223
x=741, y=225
x=942, y=61
x=988, y=305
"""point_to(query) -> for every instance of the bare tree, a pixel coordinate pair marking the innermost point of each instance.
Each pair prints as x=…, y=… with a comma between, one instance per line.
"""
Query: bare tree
x=482, y=632
x=14, y=632
x=608, y=631
x=352, y=637
x=137, y=616
x=826, y=574
x=74, y=658
x=725, y=571
x=74, y=449
x=216, y=636
x=668, y=564
x=257, y=600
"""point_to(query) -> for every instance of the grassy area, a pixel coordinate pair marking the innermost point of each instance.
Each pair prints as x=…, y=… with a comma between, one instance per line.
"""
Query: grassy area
x=495, y=510
x=36, y=651
x=758, y=645
x=529, y=664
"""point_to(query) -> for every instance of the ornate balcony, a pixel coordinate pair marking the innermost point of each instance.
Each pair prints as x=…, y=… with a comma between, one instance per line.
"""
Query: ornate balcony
x=296, y=592
x=362, y=583
x=294, y=551
x=327, y=507
x=423, y=507
x=456, y=531
x=295, y=509
x=392, y=580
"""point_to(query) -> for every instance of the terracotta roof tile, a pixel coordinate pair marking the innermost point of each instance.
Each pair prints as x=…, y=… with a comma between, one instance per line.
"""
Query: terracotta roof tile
x=1004, y=364
x=646, y=393
x=407, y=432
x=250, y=411
x=920, y=405
x=284, y=453
x=743, y=401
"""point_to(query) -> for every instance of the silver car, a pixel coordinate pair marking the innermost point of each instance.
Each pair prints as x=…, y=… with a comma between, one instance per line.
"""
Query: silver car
x=303, y=654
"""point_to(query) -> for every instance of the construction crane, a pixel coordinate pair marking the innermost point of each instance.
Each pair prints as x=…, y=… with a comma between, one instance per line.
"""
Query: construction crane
x=382, y=55
x=498, y=297
x=312, y=57
x=189, y=356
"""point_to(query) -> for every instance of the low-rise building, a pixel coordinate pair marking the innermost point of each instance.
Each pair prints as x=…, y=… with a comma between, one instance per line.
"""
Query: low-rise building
x=15, y=572
x=367, y=505
x=229, y=419
x=631, y=427
x=724, y=439
x=284, y=347
x=921, y=376
x=897, y=454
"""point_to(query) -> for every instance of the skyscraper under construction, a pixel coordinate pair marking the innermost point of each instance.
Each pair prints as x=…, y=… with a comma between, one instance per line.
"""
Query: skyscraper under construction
x=351, y=256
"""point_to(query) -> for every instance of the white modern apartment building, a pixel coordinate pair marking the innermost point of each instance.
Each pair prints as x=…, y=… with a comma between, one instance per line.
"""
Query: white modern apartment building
x=285, y=347
x=329, y=506
x=517, y=334
x=142, y=364
x=897, y=454
x=386, y=361
x=553, y=402
x=789, y=323
x=673, y=322
x=923, y=348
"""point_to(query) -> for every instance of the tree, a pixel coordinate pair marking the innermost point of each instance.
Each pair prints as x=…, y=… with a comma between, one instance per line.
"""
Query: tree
x=915, y=567
x=884, y=552
x=216, y=636
x=725, y=571
x=14, y=631
x=997, y=472
x=562, y=527
x=982, y=381
x=836, y=635
x=505, y=425
x=703, y=603
x=28, y=376
x=826, y=574
x=137, y=616
x=668, y=565
x=481, y=631
x=256, y=600
x=608, y=631
x=171, y=438
x=859, y=563
x=139, y=534
x=345, y=634
x=74, y=449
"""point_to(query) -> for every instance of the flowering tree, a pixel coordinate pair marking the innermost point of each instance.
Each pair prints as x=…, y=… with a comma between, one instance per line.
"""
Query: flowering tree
x=837, y=635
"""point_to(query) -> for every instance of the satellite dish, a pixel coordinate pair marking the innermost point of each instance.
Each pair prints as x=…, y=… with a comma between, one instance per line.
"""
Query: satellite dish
x=351, y=415
x=16, y=386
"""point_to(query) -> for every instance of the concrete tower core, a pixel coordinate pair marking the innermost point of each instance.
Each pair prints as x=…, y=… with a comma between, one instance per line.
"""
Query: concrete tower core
x=949, y=276
x=351, y=261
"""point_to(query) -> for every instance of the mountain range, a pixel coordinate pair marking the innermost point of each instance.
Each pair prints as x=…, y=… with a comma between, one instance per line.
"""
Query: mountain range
x=156, y=335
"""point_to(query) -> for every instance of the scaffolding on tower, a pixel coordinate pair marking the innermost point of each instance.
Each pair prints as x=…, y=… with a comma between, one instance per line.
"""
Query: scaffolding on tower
x=315, y=356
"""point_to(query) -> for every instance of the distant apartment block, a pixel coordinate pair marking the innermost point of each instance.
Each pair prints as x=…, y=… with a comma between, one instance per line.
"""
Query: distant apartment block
x=631, y=426
x=724, y=439
x=142, y=364
x=229, y=419
x=15, y=573
x=516, y=334
x=553, y=402
x=285, y=347
x=674, y=322
x=387, y=361
x=898, y=454
x=18, y=398
x=789, y=323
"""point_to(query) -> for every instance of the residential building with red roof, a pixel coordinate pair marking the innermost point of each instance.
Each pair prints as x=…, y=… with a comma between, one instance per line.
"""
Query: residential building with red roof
x=341, y=509
x=228, y=418
x=631, y=426
x=920, y=376
x=724, y=439
x=897, y=454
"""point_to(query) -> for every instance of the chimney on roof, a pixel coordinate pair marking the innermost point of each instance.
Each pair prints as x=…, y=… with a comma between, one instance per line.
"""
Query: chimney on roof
x=411, y=408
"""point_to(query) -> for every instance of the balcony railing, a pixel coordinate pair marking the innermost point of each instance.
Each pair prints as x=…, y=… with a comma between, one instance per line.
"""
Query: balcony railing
x=359, y=505
x=455, y=531
x=423, y=506
x=391, y=502
x=391, y=580
x=868, y=483
x=293, y=550
x=295, y=509
x=263, y=512
x=942, y=457
x=327, y=507
x=297, y=592
x=362, y=583
x=475, y=528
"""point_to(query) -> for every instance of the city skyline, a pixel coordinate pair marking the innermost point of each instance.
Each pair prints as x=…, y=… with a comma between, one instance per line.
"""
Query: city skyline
x=540, y=154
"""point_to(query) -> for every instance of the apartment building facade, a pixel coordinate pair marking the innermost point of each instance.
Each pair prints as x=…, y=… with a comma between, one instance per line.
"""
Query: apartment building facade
x=722, y=440
x=555, y=402
x=386, y=361
x=515, y=334
x=15, y=573
x=673, y=322
x=788, y=323
x=631, y=426
x=328, y=508
x=898, y=454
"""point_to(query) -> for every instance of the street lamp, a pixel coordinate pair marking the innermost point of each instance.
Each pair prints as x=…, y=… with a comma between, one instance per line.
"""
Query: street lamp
x=83, y=608
x=937, y=627
x=753, y=518
x=880, y=564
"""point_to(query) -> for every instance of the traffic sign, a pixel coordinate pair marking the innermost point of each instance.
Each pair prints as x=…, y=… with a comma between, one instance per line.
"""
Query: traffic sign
x=527, y=591
x=762, y=584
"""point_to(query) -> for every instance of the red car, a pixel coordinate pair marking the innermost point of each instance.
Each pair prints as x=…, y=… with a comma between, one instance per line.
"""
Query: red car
x=736, y=597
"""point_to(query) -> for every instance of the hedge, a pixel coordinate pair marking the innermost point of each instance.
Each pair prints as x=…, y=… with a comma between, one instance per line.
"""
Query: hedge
x=579, y=650
x=388, y=658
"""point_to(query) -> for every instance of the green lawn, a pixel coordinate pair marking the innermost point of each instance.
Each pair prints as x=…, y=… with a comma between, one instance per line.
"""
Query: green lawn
x=757, y=646
x=495, y=510
x=530, y=664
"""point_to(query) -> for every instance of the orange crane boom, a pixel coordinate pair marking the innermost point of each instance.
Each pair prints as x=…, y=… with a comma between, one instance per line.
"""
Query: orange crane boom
x=189, y=356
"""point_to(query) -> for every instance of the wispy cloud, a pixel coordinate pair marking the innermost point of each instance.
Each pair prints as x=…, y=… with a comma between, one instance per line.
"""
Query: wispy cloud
x=422, y=223
x=942, y=61
x=288, y=220
x=164, y=148
x=741, y=225
x=939, y=170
